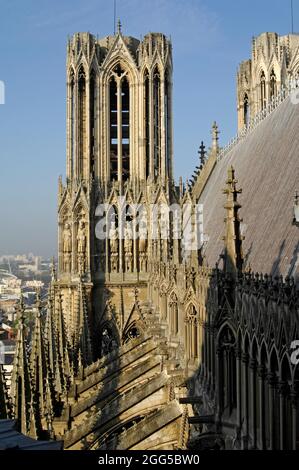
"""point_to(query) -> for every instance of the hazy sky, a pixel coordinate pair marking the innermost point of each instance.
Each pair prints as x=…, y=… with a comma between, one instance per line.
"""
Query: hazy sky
x=210, y=38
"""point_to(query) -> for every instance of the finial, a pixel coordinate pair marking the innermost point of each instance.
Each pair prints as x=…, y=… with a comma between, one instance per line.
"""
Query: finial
x=215, y=137
x=202, y=153
x=296, y=209
x=233, y=258
x=119, y=27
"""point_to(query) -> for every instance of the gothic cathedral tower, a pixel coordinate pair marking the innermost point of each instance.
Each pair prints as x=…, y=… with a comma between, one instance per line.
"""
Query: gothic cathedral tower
x=119, y=163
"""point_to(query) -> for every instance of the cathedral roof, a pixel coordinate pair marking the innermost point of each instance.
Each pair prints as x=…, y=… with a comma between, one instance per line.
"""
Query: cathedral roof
x=267, y=169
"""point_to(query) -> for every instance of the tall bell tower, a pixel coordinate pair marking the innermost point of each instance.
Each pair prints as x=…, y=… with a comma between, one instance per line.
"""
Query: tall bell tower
x=119, y=159
x=119, y=117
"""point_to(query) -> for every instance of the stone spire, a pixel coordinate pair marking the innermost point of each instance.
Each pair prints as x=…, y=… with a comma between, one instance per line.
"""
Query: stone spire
x=119, y=27
x=233, y=258
x=296, y=208
x=50, y=344
x=38, y=364
x=215, y=138
x=62, y=369
x=49, y=407
x=202, y=160
x=61, y=333
x=20, y=382
x=5, y=405
x=51, y=360
x=34, y=424
x=51, y=323
x=202, y=154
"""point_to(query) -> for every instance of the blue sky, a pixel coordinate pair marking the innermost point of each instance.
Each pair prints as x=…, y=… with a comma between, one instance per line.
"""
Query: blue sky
x=210, y=38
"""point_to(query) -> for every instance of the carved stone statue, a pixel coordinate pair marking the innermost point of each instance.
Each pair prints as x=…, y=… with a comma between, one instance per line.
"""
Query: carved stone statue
x=81, y=245
x=113, y=238
x=143, y=233
x=67, y=247
x=128, y=244
x=81, y=237
x=143, y=253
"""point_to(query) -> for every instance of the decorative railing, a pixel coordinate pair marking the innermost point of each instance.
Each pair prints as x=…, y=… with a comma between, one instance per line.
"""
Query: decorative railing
x=281, y=96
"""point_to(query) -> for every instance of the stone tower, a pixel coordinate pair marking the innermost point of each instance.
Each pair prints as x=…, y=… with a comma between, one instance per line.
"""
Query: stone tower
x=119, y=162
x=273, y=64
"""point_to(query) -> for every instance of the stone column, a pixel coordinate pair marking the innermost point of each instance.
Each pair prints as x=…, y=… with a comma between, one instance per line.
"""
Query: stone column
x=245, y=360
x=294, y=399
x=97, y=143
x=135, y=245
x=208, y=356
x=176, y=319
x=186, y=339
x=219, y=388
x=204, y=356
x=86, y=158
x=76, y=131
x=283, y=388
x=170, y=130
x=69, y=143
x=262, y=424
x=107, y=250
x=151, y=128
x=163, y=143
x=271, y=381
x=239, y=387
x=253, y=367
x=141, y=148
x=212, y=358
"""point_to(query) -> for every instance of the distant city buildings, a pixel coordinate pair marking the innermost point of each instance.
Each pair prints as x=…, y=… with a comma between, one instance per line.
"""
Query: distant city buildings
x=20, y=275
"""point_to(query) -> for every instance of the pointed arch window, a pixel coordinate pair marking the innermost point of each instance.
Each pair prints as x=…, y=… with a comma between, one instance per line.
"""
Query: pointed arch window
x=263, y=90
x=125, y=124
x=191, y=332
x=227, y=369
x=119, y=88
x=273, y=85
x=113, y=129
